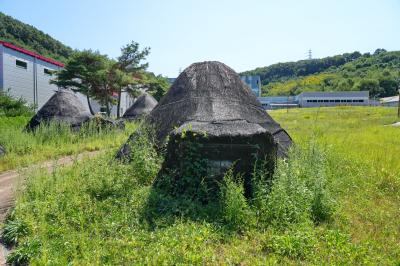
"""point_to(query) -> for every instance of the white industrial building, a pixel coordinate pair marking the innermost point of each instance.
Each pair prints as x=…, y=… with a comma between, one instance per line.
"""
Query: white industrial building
x=278, y=102
x=317, y=99
x=26, y=74
x=392, y=101
x=323, y=98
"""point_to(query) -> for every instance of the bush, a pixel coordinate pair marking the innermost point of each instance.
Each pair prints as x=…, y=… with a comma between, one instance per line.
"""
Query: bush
x=13, y=231
x=24, y=253
x=298, y=191
x=235, y=209
x=144, y=158
x=13, y=107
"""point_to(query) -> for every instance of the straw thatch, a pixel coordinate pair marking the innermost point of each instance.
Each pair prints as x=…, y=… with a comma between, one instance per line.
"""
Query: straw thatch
x=210, y=98
x=141, y=107
x=64, y=107
x=210, y=93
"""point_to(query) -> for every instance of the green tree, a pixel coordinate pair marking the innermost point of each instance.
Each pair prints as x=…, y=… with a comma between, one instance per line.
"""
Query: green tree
x=130, y=61
x=84, y=72
x=370, y=85
x=157, y=86
x=116, y=81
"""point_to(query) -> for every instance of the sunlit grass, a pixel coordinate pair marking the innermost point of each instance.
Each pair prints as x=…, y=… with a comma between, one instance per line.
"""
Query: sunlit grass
x=51, y=141
x=367, y=184
x=103, y=212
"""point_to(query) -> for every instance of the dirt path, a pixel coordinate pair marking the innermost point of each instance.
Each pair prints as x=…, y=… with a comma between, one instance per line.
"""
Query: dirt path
x=9, y=181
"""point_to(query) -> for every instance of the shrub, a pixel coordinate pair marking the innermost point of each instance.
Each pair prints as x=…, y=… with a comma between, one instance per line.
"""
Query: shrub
x=13, y=107
x=144, y=158
x=289, y=200
x=298, y=192
x=13, y=231
x=24, y=253
x=235, y=209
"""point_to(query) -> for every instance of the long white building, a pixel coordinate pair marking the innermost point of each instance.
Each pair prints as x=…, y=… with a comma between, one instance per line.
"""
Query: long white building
x=317, y=99
x=26, y=74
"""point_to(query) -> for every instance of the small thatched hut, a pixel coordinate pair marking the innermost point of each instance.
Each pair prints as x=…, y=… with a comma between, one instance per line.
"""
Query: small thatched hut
x=141, y=107
x=209, y=105
x=64, y=107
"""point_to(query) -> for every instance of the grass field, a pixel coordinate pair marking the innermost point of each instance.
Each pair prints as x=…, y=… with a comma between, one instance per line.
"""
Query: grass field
x=335, y=201
x=50, y=142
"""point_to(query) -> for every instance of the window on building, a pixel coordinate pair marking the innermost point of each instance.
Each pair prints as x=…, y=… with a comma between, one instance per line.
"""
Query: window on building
x=21, y=64
x=47, y=71
x=331, y=101
x=337, y=101
x=326, y=101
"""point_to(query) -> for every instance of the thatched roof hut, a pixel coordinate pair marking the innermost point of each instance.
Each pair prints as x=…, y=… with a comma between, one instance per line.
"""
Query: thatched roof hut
x=64, y=107
x=212, y=98
x=209, y=105
x=141, y=107
x=210, y=108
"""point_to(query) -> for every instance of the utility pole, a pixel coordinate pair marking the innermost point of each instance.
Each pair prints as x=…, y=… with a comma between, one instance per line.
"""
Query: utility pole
x=309, y=54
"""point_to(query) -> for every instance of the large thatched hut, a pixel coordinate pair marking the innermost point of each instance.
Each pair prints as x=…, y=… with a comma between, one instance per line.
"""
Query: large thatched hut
x=64, y=107
x=141, y=107
x=209, y=106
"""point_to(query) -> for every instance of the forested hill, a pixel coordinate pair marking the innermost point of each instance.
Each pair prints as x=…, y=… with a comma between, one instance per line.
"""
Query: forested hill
x=378, y=73
x=28, y=37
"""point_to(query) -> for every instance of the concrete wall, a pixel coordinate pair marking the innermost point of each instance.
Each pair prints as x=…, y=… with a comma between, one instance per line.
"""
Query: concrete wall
x=44, y=89
x=19, y=80
x=126, y=102
x=30, y=83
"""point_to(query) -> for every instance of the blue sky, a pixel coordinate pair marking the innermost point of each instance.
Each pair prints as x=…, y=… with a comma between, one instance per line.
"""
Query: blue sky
x=242, y=34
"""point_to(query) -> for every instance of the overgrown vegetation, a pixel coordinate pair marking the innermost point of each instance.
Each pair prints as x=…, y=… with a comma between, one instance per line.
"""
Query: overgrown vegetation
x=335, y=200
x=52, y=140
x=377, y=73
x=11, y=107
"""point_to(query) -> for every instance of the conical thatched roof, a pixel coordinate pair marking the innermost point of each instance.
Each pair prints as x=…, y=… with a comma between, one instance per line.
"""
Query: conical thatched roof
x=64, y=107
x=142, y=106
x=210, y=97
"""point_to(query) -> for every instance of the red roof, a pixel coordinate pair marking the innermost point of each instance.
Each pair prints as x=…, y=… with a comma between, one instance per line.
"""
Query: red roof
x=30, y=53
